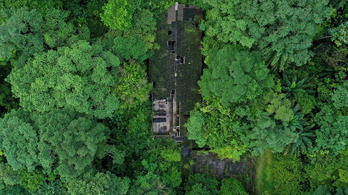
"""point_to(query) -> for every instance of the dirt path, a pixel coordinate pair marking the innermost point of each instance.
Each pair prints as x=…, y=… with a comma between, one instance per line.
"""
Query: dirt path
x=263, y=180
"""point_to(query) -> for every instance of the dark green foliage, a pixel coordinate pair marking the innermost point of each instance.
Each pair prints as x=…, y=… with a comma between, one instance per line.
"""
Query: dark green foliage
x=339, y=34
x=306, y=102
x=232, y=186
x=340, y=96
x=7, y=102
x=19, y=141
x=235, y=78
x=292, y=85
x=41, y=6
x=77, y=77
x=201, y=184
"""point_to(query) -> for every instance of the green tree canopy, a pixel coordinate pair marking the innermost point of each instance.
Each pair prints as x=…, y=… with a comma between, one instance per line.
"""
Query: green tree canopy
x=266, y=134
x=75, y=145
x=332, y=134
x=19, y=141
x=99, y=183
x=118, y=14
x=288, y=175
x=235, y=75
x=132, y=87
x=231, y=186
x=201, y=184
x=78, y=77
x=20, y=35
x=340, y=96
x=217, y=127
x=283, y=29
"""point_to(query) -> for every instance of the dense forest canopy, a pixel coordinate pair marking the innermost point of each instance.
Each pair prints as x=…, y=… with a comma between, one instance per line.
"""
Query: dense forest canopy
x=76, y=112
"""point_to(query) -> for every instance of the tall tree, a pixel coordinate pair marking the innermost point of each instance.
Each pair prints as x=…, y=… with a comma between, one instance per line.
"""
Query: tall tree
x=79, y=77
x=235, y=78
x=99, y=183
x=19, y=141
x=284, y=30
x=73, y=138
x=219, y=128
x=332, y=134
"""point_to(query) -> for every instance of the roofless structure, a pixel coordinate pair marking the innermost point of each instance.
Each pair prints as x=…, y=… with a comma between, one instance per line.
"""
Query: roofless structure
x=175, y=69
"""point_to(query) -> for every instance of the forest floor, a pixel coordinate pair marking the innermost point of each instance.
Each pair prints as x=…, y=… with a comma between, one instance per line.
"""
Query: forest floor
x=263, y=178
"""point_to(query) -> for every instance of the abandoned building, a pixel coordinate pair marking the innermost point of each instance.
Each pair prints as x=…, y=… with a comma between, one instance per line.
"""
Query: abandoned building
x=175, y=84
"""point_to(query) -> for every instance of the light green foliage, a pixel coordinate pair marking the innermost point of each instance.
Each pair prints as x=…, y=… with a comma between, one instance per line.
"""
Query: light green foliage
x=280, y=106
x=283, y=29
x=333, y=132
x=132, y=87
x=78, y=77
x=127, y=48
x=19, y=35
x=340, y=96
x=32, y=181
x=217, y=127
x=201, y=184
x=18, y=141
x=76, y=143
x=117, y=14
x=231, y=186
x=235, y=75
x=266, y=134
x=99, y=183
x=195, y=126
x=288, y=176
x=340, y=34
x=327, y=169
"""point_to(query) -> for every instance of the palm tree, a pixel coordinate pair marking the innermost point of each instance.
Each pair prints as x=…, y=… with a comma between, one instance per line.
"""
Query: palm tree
x=295, y=85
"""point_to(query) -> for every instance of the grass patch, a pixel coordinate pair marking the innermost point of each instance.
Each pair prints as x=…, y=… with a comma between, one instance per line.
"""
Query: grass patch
x=263, y=178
